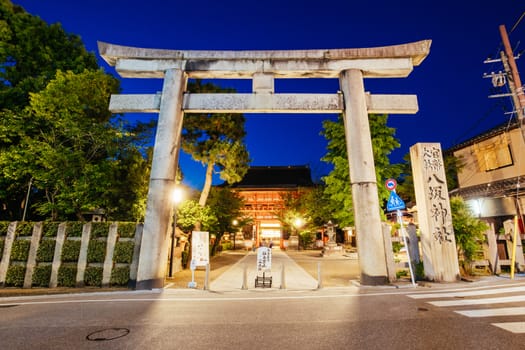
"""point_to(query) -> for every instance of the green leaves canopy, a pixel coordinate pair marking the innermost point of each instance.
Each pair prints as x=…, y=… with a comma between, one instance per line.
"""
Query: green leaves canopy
x=338, y=189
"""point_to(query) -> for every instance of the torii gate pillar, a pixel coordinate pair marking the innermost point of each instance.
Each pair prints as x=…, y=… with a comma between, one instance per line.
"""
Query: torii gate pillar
x=153, y=258
x=365, y=197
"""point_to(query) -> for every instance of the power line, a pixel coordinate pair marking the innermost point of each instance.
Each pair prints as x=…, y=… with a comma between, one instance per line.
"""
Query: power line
x=517, y=22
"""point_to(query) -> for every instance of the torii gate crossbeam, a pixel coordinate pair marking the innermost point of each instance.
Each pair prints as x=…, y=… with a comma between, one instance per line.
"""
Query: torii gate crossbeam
x=351, y=66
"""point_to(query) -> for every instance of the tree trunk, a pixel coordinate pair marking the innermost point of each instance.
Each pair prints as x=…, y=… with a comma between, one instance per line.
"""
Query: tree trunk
x=207, y=185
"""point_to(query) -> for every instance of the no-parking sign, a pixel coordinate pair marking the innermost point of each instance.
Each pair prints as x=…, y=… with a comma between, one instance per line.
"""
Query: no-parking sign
x=391, y=184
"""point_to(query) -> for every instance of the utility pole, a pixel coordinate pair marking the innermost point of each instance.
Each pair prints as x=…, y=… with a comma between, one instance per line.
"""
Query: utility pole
x=513, y=76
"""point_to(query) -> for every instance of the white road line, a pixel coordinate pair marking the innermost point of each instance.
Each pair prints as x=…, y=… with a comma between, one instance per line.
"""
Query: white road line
x=514, y=327
x=504, y=311
x=462, y=302
x=468, y=293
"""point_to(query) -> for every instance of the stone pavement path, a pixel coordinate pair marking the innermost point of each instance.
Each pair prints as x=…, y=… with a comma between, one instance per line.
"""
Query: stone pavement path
x=295, y=277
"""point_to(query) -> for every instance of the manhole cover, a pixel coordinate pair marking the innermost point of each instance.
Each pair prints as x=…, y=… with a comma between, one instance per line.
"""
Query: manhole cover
x=107, y=334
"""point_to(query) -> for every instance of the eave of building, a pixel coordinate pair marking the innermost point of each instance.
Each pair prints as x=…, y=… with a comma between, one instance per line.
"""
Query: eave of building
x=484, y=136
x=508, y=187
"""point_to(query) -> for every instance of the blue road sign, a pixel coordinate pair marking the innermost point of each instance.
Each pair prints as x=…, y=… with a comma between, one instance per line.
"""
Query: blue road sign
x=394, y=202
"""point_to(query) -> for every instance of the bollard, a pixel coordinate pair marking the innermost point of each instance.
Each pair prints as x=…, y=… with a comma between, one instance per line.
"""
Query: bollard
x=319, y=277
x=283, y=278
x=207, y=277
x=244, y=278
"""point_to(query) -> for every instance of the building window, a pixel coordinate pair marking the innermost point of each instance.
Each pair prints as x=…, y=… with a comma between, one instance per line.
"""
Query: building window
x=494, y=155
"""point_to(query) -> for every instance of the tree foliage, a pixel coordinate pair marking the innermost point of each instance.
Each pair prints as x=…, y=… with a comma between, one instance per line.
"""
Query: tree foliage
x=468, y=230
x=338, y=190
x=215, y=140
x=405, y=188
x=56, y=131
x=31, y=51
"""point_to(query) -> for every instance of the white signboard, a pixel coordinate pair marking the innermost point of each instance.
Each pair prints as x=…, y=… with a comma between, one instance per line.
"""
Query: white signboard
x=264, y=258
x=200, y=248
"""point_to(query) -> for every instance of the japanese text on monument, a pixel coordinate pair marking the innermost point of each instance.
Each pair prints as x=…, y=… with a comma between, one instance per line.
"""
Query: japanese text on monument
x=436, y=192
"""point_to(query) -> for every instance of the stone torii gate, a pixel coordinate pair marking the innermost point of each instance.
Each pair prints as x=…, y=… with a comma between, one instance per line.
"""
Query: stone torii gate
x=350, y=66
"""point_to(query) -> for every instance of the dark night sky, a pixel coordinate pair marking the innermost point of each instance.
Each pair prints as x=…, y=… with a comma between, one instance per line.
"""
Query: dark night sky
x=452, y=93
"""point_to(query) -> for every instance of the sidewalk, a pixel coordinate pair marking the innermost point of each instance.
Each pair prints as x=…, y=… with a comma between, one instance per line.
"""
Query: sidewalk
x=301, y=271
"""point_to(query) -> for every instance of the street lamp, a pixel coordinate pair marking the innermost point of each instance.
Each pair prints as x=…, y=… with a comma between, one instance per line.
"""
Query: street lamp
x=176, y=197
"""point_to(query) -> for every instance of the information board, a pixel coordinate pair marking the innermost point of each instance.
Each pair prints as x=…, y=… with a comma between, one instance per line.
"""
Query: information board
x=200, y=248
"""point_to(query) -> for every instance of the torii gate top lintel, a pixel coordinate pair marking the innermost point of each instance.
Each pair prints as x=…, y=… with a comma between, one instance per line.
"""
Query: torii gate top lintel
x=323, y=63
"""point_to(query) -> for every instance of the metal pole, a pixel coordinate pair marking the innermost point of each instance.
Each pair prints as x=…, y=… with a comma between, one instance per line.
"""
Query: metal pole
x=244, y=277
x=27, y=198
x=319, y=276
x=172, y=249
x=283, y=277
x=403, y=233
x=207, y=277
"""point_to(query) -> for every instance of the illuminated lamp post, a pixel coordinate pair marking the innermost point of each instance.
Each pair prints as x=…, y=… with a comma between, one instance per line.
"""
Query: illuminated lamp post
x=176, y=197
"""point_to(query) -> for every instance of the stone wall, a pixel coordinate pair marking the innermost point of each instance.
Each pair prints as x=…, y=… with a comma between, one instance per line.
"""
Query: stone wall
x=69, y=254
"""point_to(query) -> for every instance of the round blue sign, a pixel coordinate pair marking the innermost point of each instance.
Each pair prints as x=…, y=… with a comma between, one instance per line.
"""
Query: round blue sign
x=391, y=184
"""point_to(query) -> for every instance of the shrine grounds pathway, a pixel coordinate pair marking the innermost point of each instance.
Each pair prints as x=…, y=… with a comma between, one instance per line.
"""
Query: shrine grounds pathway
x=301, y=272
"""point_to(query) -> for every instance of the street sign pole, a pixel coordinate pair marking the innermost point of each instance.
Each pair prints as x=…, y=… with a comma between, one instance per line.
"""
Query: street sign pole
x=396, y=203
x=403, y=233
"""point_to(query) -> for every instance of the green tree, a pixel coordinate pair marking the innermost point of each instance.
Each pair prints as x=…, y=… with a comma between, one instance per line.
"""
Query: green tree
x=215, y=140
x=31, y=51
x=226, y=207
x=30, y=54
x=189, y=213
x=405, y=188
x=338, y=189
x=56, y=131
x=468, y=231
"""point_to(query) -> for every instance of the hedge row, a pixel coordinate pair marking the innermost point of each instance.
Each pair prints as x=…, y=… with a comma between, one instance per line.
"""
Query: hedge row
x=67, y=272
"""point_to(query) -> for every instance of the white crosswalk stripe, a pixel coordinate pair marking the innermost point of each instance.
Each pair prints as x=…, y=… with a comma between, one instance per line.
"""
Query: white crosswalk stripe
x=481, y=297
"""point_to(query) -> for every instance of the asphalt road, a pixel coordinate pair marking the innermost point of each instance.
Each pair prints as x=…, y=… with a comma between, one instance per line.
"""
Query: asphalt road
x=333, y=318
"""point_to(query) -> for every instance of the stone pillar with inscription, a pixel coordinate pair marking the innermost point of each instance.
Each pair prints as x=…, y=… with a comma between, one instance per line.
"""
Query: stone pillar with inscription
x=440, y=258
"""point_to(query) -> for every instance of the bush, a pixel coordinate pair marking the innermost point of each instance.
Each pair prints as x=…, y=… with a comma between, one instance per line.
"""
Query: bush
x=307, y=239
x=401, y=273
x=226, y=246
x=50, y=229
x=126, y=229
x=3, y=228
x=93, y=276
x=70, y=251
x=41, y=276
x=74, y=229
x=15, y=276
x=99, y=229
x=420, y=271
x=123, y=252
x=120, y=276
x=184, y=258
x=67, y=275
x=20, y=250
x=24, y=228
x=96, y=251
x=46, y=250
x=396, y=247
x=1, y=248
